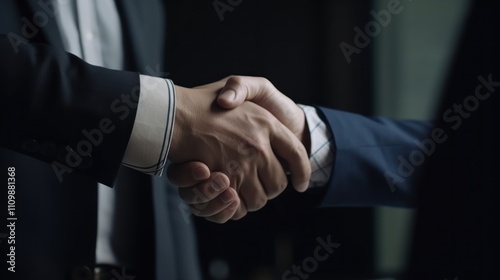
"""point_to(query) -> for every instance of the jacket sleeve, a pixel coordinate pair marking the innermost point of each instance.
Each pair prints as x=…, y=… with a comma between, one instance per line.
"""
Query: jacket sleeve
x=377, y=160
x=59, y=109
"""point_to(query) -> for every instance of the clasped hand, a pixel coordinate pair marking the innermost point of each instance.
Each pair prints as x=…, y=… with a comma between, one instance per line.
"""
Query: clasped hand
x=233, y=159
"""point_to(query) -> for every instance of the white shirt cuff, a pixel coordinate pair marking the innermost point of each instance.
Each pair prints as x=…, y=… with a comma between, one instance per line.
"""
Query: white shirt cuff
x=321, y=157
x=151, y=136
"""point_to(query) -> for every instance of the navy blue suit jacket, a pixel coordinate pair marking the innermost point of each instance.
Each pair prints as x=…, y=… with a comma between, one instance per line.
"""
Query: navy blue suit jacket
x=455, y=187
x=377, y=160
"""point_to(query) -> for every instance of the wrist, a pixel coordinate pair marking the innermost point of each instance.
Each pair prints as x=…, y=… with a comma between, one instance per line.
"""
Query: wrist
x=179, y=123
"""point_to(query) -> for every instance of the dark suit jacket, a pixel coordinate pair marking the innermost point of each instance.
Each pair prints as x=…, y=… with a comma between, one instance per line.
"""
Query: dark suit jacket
x=378, y=162
x=48, y=98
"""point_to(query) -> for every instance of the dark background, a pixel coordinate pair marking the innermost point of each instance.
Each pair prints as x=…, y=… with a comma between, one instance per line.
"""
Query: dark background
x=295, y=44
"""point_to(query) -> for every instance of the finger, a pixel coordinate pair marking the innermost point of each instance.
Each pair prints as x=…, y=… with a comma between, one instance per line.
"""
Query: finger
x=238, y=89
x=254, y=197
x=240, y=212
x=187, y=174
x=226, y=214
x=262, y=92
x=250, y=190
x=272, y=176
x=292, y=151
x=214, y=206
x=206, y=190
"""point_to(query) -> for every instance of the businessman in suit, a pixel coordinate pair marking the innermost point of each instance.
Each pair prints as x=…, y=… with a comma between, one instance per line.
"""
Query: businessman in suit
x=68, y=125
x=446, y=168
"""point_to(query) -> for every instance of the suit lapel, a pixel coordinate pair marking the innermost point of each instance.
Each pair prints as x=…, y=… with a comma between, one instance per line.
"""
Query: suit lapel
x=48, y=31
x=143, y=26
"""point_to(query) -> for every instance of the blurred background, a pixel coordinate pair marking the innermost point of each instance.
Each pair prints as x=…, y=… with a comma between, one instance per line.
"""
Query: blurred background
x=301, y=46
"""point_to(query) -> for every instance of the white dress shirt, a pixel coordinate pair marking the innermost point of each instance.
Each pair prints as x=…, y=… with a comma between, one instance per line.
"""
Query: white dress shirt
x=91, y=30
x=321, y=156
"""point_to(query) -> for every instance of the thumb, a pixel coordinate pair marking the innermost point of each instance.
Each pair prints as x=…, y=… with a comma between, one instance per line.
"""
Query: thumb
x=239, y=89
x=262, y=92
x=233, y=93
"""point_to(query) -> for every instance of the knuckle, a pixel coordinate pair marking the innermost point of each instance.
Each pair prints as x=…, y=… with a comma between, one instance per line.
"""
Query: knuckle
x=254, y=146
x=282, y=186
x=234, y=79
x=257, y=203
x=259, y=148
x=232, y=167
x=279, y=188
x=269, y=86
x=265, y=81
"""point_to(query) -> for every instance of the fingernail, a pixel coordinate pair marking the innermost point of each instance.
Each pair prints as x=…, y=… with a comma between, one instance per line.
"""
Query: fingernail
x=200, y=173
x=228, y=94
x=227, y=197
x=218, y=183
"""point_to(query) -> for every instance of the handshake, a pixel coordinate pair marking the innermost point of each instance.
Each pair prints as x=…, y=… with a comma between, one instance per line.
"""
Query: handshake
x=230, y=156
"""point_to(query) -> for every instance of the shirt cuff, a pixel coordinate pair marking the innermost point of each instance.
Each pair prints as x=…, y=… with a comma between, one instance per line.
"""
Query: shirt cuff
x=151, y=136
x=322, y=150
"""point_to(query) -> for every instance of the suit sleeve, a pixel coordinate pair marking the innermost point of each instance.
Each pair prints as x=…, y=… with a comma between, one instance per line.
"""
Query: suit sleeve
x=58, y=109
x=377, y=160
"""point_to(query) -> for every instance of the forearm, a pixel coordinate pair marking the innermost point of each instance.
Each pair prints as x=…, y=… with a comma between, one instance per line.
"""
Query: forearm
x=372, y=165
x=54, y=100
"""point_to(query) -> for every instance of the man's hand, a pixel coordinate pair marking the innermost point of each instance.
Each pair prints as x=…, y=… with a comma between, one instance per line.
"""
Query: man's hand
x=209, y=195
x=246, y=143
x=263, y=93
